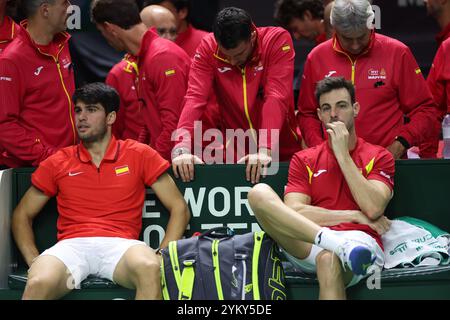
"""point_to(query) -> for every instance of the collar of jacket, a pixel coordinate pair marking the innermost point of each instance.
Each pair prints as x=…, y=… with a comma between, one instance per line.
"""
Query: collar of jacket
x=59, y=39
x=147, y=39
x=10, y=30
x=338, y=48
x=256, y=54
x=443, y=35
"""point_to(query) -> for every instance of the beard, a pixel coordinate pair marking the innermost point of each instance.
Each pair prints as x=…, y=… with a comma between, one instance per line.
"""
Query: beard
x=93, y=137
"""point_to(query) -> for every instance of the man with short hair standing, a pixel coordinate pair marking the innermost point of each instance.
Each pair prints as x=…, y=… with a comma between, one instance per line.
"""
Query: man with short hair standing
x=250, y=70
x=36, y=85
x=163, y=67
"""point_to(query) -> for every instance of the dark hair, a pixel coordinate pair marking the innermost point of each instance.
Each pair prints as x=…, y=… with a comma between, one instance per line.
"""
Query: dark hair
x=232, y=26
x=98, y=92
x=286, y=10
x=334, y=83
x=30, y=7
x=123, y=13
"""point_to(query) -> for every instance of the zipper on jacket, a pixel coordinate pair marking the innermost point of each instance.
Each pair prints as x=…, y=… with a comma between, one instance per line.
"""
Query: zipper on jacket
x=247, y=114
x=69, y=99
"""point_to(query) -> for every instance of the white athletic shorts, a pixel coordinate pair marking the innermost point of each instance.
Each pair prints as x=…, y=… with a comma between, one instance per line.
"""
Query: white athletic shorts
x=86, y=256
x=308, y=265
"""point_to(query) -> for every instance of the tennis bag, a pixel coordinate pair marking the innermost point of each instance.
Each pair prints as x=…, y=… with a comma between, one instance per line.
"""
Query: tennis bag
x=218, y=265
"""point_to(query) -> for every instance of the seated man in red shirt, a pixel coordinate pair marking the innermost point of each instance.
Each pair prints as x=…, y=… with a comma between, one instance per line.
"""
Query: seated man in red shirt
x=343, y=185
x=100, y=189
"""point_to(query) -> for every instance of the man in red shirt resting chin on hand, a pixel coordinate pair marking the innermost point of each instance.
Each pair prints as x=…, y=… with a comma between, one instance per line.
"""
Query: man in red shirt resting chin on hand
x=342, y=185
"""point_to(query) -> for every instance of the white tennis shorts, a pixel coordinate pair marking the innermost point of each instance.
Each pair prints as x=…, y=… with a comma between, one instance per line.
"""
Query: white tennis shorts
x=86, y=256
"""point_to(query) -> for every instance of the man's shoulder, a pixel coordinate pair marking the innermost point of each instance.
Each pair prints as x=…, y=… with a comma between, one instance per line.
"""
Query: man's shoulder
x=17, y=50
x=268, y=34
x=161, y=48
x=388, y=43
x=133, y=147
x=62, y=156
x=373, y=150
x=310, y=154
x=321, y=49
x=446, y=46
x=198, y=33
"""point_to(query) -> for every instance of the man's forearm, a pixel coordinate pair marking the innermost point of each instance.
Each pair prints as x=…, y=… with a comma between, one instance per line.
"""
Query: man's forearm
x=24, y=237
x=179, y=218
x=367, y=196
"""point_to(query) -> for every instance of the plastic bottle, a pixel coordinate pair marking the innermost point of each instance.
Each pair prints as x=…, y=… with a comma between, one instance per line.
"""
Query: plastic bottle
x=446, y=136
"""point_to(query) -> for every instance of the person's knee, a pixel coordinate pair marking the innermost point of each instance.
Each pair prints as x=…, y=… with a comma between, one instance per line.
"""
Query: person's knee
x=147, y=268
x=38, y=287
x=328, y=263
x=259, y=195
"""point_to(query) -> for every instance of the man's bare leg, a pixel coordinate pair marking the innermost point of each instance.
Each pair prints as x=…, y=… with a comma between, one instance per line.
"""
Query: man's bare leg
x=48, y=278
x=139, y=268
x=290, y=230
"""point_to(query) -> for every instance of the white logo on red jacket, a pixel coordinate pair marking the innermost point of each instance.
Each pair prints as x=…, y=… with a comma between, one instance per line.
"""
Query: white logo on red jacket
x=224, y=69
x=330, y=74
x=5, y=79
x=38, y=71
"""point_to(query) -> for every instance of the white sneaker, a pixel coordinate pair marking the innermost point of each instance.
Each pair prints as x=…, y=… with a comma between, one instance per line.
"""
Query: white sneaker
x=357, y=257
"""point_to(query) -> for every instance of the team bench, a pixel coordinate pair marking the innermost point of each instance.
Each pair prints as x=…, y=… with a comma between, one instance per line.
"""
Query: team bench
x=218, y=196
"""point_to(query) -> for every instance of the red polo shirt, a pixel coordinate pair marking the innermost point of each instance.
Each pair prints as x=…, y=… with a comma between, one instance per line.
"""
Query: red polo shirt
x=316, y=173
x=100, y=202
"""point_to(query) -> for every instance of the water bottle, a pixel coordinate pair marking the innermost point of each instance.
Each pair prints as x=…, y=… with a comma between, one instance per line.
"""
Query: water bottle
x=446, y=136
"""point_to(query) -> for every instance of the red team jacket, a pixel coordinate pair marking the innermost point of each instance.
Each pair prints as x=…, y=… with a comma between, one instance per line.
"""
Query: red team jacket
x=163, y=74
x=439, y=78
x=190, y=39
x=123, y=77
x=8, y=31
x=388, y=85
x=36, y=109
x=258, y=96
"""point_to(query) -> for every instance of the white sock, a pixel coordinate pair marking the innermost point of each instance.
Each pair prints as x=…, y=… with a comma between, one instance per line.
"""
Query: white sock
x=327, y=240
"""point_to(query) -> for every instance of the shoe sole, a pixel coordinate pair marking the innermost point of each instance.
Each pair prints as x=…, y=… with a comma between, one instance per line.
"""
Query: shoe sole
x=360, y=259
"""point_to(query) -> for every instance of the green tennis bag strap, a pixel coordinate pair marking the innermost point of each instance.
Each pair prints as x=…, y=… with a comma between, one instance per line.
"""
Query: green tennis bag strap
x=223, y=266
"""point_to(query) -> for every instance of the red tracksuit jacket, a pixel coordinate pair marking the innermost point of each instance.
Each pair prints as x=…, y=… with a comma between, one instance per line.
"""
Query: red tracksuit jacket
x=123, y=77
x=439, y=78
x=389, y=85
x=258, y=96
x=162, y=82
x=8, y=31
x=36, y=109
x=439, y=84
x=190, y=39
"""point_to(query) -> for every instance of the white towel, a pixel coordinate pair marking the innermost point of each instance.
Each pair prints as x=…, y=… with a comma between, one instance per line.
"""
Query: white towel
x=407, y=245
